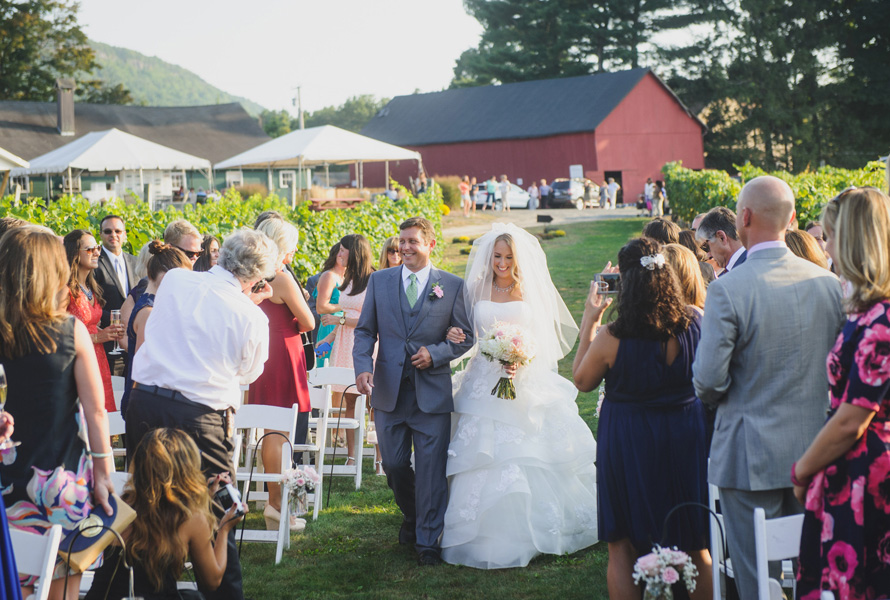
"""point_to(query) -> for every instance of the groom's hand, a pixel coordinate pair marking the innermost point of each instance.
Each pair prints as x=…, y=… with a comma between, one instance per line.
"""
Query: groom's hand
x=364, y=383
x=422, y=360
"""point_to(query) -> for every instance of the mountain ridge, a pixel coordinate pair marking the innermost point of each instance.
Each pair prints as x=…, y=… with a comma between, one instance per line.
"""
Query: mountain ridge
x=156, y=82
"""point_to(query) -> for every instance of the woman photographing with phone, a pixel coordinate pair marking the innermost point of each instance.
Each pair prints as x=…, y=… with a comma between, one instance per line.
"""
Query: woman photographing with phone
x=651, y=453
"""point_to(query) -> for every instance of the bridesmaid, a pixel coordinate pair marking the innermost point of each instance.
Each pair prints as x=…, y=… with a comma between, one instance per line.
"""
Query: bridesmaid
x=327, y=298
x=85, y=301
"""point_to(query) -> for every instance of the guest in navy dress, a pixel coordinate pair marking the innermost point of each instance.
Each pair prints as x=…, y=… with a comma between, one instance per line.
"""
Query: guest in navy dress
x=651, y=452
x=843, y=479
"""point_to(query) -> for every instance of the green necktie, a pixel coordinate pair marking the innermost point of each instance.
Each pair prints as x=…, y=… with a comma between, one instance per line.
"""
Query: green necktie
x=411, y=292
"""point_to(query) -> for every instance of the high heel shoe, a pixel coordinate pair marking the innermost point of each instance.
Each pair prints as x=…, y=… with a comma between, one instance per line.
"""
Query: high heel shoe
x=378, y=467
x=273, y=519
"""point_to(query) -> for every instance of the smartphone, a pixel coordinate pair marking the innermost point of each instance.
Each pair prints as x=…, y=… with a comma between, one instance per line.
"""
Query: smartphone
x=613, y=279
x=227, y=496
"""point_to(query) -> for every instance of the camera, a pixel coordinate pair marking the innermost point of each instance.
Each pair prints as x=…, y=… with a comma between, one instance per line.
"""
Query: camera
x=613, y=279
x=227, y=496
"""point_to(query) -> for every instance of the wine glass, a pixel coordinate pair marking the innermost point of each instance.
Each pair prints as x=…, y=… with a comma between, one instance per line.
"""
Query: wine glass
x=115, y=321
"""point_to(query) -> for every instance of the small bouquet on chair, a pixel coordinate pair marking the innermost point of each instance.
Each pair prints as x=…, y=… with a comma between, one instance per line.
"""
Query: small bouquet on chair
x=506, y=343
x=299, y=481
x=662, y=568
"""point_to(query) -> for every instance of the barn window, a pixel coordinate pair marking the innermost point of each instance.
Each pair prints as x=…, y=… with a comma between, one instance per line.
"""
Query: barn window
x=286, y=179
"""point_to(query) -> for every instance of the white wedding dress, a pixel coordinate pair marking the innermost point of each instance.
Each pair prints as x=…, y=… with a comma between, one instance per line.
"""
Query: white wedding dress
x=522, y=479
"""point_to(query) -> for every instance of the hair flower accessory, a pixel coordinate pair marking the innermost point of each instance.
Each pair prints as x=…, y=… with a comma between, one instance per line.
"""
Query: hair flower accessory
x=652, y=261
x=436, y=291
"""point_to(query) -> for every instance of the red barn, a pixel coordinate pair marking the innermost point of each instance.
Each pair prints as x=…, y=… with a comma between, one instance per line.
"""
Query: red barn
x=625, y=125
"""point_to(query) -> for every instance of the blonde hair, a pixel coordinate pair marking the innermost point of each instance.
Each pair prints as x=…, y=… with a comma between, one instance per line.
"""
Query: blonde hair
x=285, y=235
x=33, y=273
x=391, y=242
x=178, y=229
x=859, y=221
x=166, y=488
x=688, y=273
x=515, y=272
x=805, y=246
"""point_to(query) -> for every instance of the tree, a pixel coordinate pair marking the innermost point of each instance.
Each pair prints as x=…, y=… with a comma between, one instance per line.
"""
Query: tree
x=96, y=91
x=41, y=41
x=276, y=123
x=352, y=115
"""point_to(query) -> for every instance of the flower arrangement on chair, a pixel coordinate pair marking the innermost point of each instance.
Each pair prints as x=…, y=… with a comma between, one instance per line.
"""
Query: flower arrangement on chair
x=299, y=481
x=662, y=568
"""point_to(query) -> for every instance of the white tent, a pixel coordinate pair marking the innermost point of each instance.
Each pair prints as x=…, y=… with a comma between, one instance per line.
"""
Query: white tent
x=325, y=145
x=9, y=161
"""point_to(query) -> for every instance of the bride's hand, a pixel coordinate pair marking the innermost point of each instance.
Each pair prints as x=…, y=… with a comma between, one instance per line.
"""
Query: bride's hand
x=596, y=303
x=455, y=335
x=511, y=369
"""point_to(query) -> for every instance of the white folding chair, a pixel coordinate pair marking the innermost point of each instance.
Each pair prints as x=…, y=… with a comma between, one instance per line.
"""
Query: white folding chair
x=326, y=377
x=320, y=399
x=775, y=539
x=117, y=426
x=720, y=565
x=35, y=554
x=251, y=418
x=117, y=386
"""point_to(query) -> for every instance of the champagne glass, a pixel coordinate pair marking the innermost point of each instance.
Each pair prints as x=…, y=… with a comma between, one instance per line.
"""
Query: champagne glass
x=7, y=443
x=115, y=321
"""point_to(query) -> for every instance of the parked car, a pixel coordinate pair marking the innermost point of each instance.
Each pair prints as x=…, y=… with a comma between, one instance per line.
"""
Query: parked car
x=518, y=198
x=570, y=192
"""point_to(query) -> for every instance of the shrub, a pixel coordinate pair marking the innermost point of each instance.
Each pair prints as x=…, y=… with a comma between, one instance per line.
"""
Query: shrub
x=461, y=239
x=693, y=192
x=450, y=190
x=318, y=230
x=466, y=250
x=252, y=189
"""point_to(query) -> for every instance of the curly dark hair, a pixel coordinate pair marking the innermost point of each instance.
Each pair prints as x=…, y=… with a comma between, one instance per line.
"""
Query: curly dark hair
x=650, y=303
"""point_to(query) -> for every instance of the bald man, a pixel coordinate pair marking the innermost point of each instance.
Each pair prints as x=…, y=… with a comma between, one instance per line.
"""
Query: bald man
x=768, y=327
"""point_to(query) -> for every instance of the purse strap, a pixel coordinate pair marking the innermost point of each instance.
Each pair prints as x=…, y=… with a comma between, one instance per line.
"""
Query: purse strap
x=121, y=558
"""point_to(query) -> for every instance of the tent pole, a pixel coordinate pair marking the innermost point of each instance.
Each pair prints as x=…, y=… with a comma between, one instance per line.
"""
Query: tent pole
x=5, y=182
x=386, y=175
x=327, y=175
x=269, y=178
x=70, y=184
x=142, y=189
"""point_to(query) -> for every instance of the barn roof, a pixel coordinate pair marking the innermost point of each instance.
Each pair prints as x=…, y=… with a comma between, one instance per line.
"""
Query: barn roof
x=528, y=109
x=215, y=132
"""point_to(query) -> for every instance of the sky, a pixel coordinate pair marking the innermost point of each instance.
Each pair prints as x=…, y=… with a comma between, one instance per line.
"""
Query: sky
x=263, y=50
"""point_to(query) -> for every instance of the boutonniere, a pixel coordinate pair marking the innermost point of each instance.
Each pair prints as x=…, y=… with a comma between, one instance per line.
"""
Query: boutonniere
x=437, y=291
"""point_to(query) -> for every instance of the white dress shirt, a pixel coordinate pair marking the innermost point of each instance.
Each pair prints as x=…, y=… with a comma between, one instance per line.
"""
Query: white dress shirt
x=204, y=338
x=423, y=276
x=119, y=268
x=735, y=256
x=765, y=246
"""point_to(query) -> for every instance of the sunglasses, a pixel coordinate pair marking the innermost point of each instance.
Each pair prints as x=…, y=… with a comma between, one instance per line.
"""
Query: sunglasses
x=110, y=231
x=189, y=254
x=92, y=249
x=259, y=285
x=392, y=251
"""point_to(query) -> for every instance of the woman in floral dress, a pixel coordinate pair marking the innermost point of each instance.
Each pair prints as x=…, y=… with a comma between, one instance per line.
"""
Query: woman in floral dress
x=843, y=478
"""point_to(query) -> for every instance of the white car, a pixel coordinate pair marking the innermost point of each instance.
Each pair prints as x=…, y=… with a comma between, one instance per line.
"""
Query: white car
x=518, y=197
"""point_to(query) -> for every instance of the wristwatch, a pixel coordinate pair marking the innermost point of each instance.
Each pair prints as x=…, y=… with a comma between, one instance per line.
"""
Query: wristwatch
x=343, y=320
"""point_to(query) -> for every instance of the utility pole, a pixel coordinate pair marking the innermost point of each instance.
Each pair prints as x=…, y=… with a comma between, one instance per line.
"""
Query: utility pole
x=299, y=104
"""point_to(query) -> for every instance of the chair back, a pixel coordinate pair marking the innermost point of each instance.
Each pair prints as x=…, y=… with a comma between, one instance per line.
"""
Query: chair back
x=118, y=384
x=332, y=376
x=774, y=539
x=260, y=416
x=35, y=554
x=116, y=424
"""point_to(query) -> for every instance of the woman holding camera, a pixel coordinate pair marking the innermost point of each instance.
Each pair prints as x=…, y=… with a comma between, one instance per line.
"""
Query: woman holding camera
x=173, y=522
x=651, y=453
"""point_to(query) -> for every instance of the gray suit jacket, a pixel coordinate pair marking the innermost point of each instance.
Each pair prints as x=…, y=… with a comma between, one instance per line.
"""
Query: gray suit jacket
x=768, y=327
x=382, y=320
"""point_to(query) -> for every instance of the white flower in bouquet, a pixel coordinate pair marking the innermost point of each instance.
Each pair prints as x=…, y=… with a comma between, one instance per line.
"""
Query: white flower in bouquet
x=661, y=568
x=508, y=344
x=301, y=478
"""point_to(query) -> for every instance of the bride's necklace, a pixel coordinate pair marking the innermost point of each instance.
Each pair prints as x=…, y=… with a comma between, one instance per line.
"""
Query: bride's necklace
x=505, y=290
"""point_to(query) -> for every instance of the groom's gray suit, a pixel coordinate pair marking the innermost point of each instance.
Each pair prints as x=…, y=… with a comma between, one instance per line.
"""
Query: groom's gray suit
x=413, y=407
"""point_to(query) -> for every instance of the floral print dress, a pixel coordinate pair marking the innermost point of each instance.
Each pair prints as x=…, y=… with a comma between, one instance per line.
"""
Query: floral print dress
x=845, y=544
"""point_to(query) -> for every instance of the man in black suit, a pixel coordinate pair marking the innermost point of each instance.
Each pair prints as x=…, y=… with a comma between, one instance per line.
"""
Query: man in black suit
x=116, y=275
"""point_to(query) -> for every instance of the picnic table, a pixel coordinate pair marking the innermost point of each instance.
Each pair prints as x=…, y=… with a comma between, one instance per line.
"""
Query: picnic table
x=319, y=204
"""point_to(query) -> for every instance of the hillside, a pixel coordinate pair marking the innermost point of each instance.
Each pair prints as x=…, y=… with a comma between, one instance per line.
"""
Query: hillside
x=155, y=82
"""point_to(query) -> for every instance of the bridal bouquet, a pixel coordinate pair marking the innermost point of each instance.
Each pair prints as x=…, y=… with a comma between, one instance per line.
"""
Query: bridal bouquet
x=662, y=568
x=507, y=344
x=299, y=482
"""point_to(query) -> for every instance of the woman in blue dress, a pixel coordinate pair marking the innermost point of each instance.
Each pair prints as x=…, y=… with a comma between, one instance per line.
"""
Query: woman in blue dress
x=651, y=451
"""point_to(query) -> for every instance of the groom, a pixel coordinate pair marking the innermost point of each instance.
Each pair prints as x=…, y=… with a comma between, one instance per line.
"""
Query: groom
x=408, y=309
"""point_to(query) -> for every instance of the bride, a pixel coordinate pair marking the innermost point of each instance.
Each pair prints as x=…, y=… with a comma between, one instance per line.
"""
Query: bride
x=521, y=472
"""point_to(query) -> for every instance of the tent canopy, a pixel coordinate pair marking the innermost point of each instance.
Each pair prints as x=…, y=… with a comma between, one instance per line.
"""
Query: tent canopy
x=317, y=146
x=113, y=150
x=8, y=161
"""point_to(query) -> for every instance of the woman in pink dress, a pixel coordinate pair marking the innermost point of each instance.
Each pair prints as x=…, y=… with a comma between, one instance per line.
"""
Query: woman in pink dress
x=359, y=267
x=85, y=301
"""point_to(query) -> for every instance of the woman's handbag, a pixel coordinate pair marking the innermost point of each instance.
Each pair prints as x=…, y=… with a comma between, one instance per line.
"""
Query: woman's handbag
x=308, y=349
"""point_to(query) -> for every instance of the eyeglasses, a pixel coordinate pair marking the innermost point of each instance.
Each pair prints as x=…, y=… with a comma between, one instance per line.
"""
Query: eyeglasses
x=92, y=249
x=189, y=254
x=392, y=251
x=110, y=231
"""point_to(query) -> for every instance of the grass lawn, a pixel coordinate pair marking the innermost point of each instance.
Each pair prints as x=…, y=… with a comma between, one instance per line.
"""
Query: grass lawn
x=352, y=551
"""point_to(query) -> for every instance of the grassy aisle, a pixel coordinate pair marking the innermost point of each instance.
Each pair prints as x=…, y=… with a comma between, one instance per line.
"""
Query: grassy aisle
x=352, y=552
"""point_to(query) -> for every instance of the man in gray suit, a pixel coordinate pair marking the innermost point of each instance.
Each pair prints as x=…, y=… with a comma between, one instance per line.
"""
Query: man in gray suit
x=408, y=311
x=767, y=330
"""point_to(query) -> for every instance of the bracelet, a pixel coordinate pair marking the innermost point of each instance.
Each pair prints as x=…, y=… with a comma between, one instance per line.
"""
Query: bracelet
x=794, y=478
x=100, y=454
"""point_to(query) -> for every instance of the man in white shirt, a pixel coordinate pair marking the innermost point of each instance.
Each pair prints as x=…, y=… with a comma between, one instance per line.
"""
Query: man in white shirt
x=613, y=192
x=505, y=193
x=205, y=338
x=116, y=275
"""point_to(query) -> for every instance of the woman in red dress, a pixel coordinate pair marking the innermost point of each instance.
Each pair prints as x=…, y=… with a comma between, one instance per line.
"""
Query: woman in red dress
x=284, y=381
x=85, y=300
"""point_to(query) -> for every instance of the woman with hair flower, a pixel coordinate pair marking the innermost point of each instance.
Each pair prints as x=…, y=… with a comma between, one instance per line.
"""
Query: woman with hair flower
x=843, y=479
x=651, y=442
